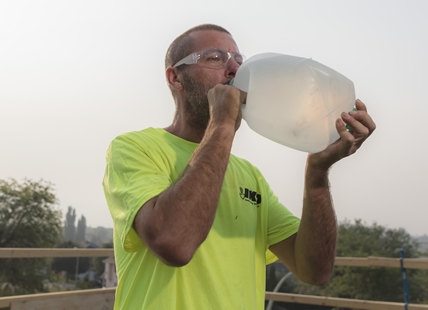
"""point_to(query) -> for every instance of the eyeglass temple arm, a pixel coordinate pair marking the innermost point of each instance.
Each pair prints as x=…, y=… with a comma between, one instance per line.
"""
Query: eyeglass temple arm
x=188, y=60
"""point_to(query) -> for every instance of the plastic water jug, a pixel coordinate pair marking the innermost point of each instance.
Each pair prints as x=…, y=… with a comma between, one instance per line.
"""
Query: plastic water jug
x=294, y=101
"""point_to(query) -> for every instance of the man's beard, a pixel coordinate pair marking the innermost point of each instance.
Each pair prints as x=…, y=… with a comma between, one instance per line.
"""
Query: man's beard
x=197, y=102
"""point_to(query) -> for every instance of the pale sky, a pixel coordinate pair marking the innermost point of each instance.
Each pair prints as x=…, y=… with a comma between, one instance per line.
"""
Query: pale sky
x=75, y=74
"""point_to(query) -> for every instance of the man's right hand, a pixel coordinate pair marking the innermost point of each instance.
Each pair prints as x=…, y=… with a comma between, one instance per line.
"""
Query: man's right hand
x=225, y=105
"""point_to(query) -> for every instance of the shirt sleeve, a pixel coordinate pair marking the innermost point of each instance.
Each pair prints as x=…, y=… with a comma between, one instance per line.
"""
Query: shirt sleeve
x=132, y=177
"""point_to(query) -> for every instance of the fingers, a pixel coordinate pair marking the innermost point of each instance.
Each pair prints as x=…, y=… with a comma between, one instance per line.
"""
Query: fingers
x=226, y=92
x=341, y=148
x=350, y=141
x=355, y=121
x=360, y=121
x=243, y=97
x=225, y=104
x=360, y=105
x=361, y=124
x=346, y=140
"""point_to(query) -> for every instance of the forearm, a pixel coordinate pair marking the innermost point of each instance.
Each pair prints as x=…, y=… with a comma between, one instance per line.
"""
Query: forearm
x=315, y=244
x=310, y=253
x=179, y=220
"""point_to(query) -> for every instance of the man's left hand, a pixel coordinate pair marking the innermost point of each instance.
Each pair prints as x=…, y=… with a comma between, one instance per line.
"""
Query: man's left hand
x=362, y=126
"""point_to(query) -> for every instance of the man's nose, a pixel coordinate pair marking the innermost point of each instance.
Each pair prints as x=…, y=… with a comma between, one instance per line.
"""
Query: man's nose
x=231, y=67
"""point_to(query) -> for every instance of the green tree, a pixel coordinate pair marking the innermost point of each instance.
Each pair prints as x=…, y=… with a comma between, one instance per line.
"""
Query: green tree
x=99, y=235
x=359, y=240
x=97, y=264
x=69, y=264
x=375, y=283
x=422, y=279
x=28, y=218
x=69, y=227
x=81, y=230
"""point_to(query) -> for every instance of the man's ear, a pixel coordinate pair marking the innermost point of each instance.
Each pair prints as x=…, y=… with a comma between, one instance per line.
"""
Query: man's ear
x=174, y=78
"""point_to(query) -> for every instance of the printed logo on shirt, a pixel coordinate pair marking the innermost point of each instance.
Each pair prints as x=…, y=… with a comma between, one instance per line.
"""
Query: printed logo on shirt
x=250, y=196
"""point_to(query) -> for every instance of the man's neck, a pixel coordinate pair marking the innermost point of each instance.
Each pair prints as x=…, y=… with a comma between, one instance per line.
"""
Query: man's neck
x=185, y=130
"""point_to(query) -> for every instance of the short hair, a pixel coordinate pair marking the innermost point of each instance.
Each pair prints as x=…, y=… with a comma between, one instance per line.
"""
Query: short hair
x=182, y=45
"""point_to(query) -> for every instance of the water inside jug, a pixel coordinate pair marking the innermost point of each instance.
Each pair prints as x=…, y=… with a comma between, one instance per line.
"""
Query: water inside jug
x=294, y=101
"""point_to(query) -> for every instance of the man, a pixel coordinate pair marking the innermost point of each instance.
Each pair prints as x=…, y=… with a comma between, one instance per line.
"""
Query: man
x=194, y=226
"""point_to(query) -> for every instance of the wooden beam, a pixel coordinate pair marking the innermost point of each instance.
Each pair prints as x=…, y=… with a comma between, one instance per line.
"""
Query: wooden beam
x=371, y=261
x=81, y=299
x=416, y=263
x=411, y=263
x=81, y=294
x=57, y=252
x=341, y=302
x=351, y=261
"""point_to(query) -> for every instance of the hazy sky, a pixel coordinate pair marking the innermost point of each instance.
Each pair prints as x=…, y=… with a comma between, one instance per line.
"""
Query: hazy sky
x=75, y=74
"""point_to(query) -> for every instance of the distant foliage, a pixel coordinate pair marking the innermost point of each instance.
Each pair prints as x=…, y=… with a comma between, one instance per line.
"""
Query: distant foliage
x=356, y=239
x=69, y=264
x=70, y=232
x=99, y=235
x=81, y=230
x=359, y=240
x=28, y=218
x=97, y=264
x=423, y=244
x=69, y=226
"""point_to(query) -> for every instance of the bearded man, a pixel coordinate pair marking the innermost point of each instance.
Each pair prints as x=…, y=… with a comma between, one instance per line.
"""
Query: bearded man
x=194, y=225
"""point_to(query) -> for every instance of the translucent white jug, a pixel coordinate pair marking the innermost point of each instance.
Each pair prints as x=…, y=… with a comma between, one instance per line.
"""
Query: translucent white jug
x=294, y=101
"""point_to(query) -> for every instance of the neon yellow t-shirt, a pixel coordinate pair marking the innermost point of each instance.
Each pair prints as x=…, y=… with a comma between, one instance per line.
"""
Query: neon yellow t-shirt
x=228, y=269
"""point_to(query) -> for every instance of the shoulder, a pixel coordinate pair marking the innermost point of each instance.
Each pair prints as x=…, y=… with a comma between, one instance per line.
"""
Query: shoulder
x=138, y=136
x=135, y=139
x=130, y=144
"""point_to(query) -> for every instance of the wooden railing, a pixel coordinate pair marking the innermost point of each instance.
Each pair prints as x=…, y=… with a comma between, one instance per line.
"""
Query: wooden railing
x=95, y=299
x=371, y=261
x=39, y=253
x=340, y=302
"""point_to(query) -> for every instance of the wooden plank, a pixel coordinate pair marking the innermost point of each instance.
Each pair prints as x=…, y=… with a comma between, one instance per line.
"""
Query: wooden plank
x=58, y=252
x=95, y=299
x=416, y=263
x=411, y=263
x=80, y=294
x=341, y=302
x=351, y=261
x=371, y=261
x=384, y=262
x=104, y=301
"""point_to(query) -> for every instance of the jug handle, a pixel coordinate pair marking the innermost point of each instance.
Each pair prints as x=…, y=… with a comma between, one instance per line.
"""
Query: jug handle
x=347, y=126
